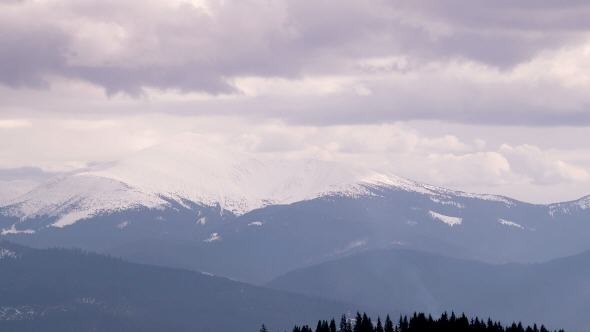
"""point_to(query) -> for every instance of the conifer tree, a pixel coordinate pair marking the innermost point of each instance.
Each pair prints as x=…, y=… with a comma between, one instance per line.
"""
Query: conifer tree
x=418, y=322
x=388, y=325
x=333, y=325
x=379, y=326
x=345, y=325
x=357, y=323
x=366, y=325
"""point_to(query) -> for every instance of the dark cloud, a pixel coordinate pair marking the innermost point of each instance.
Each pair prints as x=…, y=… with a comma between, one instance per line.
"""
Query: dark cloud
x=28, y=55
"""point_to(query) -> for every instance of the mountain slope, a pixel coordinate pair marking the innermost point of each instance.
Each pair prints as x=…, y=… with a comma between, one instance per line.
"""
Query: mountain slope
x=69, y=290
x=553, y=293
x=264, y=243
x=182, y=169
x=277, y=239
x=193, y=205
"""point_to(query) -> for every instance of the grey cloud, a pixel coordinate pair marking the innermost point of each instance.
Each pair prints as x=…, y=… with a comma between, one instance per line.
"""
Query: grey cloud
x=27, y=55
x=132, y=80
x=25, y=173
x=426, y=99
x=183, y=48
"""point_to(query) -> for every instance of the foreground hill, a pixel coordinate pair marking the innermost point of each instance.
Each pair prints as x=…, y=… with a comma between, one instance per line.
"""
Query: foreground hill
x=553, y=293
x=70, y=290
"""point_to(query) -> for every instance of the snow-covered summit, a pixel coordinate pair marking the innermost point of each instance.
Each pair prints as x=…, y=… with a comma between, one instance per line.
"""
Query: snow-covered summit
x=186, y=168
x=569, y=207
x=78, y=196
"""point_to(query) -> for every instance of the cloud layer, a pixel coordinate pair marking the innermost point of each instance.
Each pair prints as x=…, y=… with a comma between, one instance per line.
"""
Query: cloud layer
x=488, y=96
x=414, y=151
x=483, y=62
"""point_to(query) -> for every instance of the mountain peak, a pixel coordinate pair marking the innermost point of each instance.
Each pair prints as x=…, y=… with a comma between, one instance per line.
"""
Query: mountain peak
x=192, y=168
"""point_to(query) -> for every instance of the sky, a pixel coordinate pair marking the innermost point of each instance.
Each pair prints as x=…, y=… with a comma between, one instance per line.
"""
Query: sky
x=483, y=96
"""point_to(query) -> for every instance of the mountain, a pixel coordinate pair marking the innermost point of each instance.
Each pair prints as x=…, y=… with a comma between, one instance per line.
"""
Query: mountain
x=18, y=181
x=180, y=171
x=72, y=290
x=264, y=243
x=253, y=218
x=553, y=293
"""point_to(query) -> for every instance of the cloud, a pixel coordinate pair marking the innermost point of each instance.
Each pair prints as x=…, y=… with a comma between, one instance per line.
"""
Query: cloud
x=482, y=95
x=447, y=156
x=24, y=173
x=14, y=123
x=541, y=167
x=484, y=168
x=204, y=46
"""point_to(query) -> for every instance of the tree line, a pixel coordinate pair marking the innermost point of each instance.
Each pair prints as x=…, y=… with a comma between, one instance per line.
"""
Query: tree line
x=418, y=322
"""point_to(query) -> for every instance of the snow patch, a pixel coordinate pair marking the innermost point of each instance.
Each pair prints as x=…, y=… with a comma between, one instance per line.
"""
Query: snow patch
x=255, y=223
x=123, y=224
x=7, y=254
x=202, y=221
x=87, y=300
x=569, y=207
x=13, y=230
x=351, y=246
x=213, y=237
x=451, y=221
x=447, y=202
x=584, y=203
x=17, y=313
x=510, y=223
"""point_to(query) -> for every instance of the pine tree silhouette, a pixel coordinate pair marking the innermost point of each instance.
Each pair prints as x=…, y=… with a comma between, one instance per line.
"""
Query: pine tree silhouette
x=388, y=325
x=418, y=322
x=345, y=325
x=332, y=325
x=358, y=323
x=379, y=326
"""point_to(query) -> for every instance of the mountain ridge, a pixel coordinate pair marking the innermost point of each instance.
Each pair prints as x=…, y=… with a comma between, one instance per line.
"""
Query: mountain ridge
x=142, y=209
x=409, y=280
x=72, y=290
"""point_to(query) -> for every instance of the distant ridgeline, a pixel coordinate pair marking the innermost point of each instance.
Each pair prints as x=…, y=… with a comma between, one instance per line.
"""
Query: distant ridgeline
x=419, y=322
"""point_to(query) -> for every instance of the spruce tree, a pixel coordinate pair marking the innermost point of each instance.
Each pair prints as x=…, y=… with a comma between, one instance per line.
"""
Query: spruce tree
x=418, y=322
x=345, y=325
x=333, y=325
x=379, y=327
x=357, y=323
x=388, y=325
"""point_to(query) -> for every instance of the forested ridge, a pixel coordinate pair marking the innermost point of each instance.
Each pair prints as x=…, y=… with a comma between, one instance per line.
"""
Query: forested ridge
x=418, y=322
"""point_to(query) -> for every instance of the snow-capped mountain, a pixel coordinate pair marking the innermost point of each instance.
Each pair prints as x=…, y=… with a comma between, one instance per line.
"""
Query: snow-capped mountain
x=79, y=196
x=10, y=189
x=182, y=171
x=252, y=217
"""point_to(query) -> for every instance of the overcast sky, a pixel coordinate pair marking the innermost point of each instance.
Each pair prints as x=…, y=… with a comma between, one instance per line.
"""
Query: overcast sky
x=479, y=95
